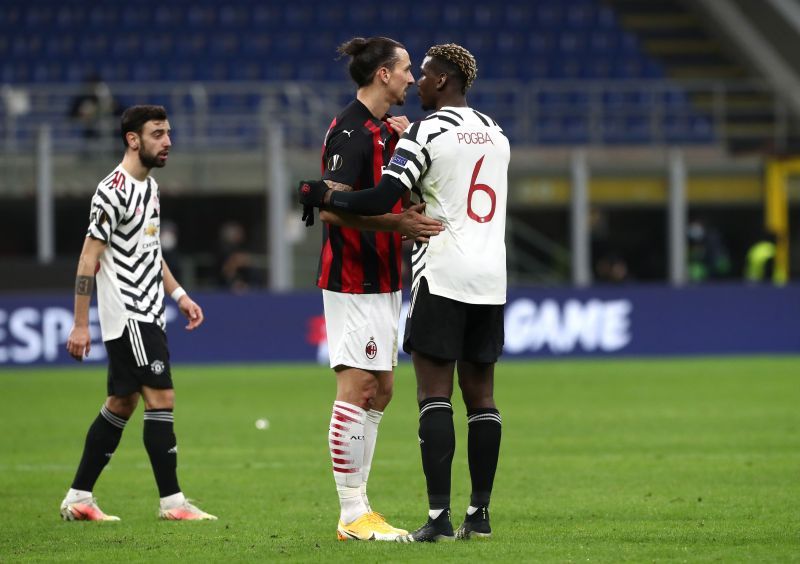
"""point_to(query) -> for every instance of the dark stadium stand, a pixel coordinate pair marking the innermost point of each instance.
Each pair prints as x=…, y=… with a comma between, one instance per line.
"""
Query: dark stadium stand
x=529, y=41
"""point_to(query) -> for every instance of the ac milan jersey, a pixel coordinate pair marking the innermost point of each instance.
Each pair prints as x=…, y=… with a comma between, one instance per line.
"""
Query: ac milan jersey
x=456, y=160
x=125, y=215
x=356, y=149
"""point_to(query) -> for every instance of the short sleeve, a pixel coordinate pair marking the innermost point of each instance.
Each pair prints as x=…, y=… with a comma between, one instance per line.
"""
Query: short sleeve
x=345, y=154
x=108, y=209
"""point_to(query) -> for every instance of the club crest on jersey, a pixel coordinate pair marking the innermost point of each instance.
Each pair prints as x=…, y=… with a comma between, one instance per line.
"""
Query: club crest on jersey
x=151, y=229
x=398, y=160
x=371, y=349
x=157, y=367
x=335, y=162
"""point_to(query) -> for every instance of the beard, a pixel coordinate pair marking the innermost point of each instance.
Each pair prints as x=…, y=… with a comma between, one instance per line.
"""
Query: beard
x=150, y=160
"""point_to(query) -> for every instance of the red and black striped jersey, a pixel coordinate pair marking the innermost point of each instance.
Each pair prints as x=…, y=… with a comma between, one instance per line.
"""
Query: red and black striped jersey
x=357, y=147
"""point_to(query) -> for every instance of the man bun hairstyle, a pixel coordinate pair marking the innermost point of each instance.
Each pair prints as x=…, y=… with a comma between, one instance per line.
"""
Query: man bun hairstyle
x=457, y=61
x=134, y=118
x=368, y=55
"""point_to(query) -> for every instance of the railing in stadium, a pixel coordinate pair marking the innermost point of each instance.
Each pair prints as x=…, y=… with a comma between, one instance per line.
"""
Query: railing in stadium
x=232, y=115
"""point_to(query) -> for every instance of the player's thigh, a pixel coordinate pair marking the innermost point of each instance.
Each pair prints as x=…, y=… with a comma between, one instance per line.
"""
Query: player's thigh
x=362, y=330
x=484, y=333
x=434, y=376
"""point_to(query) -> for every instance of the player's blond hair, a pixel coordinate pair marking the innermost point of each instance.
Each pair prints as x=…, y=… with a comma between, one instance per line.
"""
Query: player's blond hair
x=458, y=56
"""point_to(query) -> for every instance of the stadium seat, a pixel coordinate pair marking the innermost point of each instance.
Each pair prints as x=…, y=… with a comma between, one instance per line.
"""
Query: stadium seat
x=205, y=40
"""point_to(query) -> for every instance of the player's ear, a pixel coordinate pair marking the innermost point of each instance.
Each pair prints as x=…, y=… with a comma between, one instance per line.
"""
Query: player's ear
x=133, y=140
x=441, y=81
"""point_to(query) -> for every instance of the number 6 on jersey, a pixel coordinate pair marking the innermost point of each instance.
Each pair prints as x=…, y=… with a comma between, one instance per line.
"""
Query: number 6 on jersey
x=474, y=187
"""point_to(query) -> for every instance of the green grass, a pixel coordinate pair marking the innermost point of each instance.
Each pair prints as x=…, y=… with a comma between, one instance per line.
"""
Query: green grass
x=602, y=461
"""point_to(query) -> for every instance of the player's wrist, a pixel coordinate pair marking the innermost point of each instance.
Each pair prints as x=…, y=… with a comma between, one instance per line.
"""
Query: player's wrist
x=177, y=294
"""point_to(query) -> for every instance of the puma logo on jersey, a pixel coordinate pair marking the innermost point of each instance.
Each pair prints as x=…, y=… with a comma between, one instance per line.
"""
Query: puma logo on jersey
x=348, y=132
x=382, y=143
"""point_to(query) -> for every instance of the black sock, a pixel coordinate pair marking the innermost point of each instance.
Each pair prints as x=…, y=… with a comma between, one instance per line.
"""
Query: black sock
x=437, y=443
x=162, y=448
x=483, y=450
x=101, y=442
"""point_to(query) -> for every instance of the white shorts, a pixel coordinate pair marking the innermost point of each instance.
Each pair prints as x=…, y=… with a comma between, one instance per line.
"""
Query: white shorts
x=362, y=329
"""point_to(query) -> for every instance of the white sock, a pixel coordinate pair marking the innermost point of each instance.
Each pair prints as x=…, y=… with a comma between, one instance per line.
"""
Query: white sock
x=471, y=510
x=370, y=437
x=434, y=513
x=74, y=496
x=172, y=501
x=350, y=503
x=346, y=442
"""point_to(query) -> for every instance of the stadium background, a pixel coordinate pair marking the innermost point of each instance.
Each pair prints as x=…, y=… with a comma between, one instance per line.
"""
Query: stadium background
x=653, y=142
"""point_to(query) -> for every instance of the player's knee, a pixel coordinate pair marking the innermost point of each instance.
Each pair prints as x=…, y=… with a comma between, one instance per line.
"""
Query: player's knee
x=160, y=399
x=476, y=395
x=368, y=397
x=477, y=398
x=123, y=406
x=382, y=398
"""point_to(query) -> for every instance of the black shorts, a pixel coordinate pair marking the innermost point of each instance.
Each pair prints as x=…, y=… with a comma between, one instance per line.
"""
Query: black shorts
x=451, y=330
x=140, y=357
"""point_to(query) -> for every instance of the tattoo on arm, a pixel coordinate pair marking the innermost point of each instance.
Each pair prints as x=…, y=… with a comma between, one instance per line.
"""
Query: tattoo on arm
x=84, y=285
x=338, y=186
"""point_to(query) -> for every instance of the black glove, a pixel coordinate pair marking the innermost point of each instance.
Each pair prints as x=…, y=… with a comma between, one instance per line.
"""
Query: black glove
x=308, y=215
x=312, y=192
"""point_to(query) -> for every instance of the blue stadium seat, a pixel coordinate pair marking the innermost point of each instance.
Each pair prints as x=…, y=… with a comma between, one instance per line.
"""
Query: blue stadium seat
x=233, y=16
x=517, y=16
x=486, y=15
x=254, y=40
x=11, y=17
x=266, y=17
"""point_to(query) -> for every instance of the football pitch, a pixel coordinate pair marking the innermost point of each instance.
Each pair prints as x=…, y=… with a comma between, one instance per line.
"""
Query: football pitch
x=601, y=461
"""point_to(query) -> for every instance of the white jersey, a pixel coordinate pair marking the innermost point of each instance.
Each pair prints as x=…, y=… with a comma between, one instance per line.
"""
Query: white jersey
x=126, y=216
x=456, y=160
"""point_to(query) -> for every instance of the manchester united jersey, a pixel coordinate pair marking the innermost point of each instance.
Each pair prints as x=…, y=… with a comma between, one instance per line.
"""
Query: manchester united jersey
x=456, y=160
x=125, y=215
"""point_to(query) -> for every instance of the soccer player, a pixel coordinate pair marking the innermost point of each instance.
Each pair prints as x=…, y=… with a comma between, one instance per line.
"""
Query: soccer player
x=122, y=251
x=359, y=274
x=456, y=160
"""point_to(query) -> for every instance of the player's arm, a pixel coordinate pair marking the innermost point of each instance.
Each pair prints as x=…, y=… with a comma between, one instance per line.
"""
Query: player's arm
x=79, y=340
x=411, y=223
x=188, y=307
x=408, y=164
x=372, y=201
